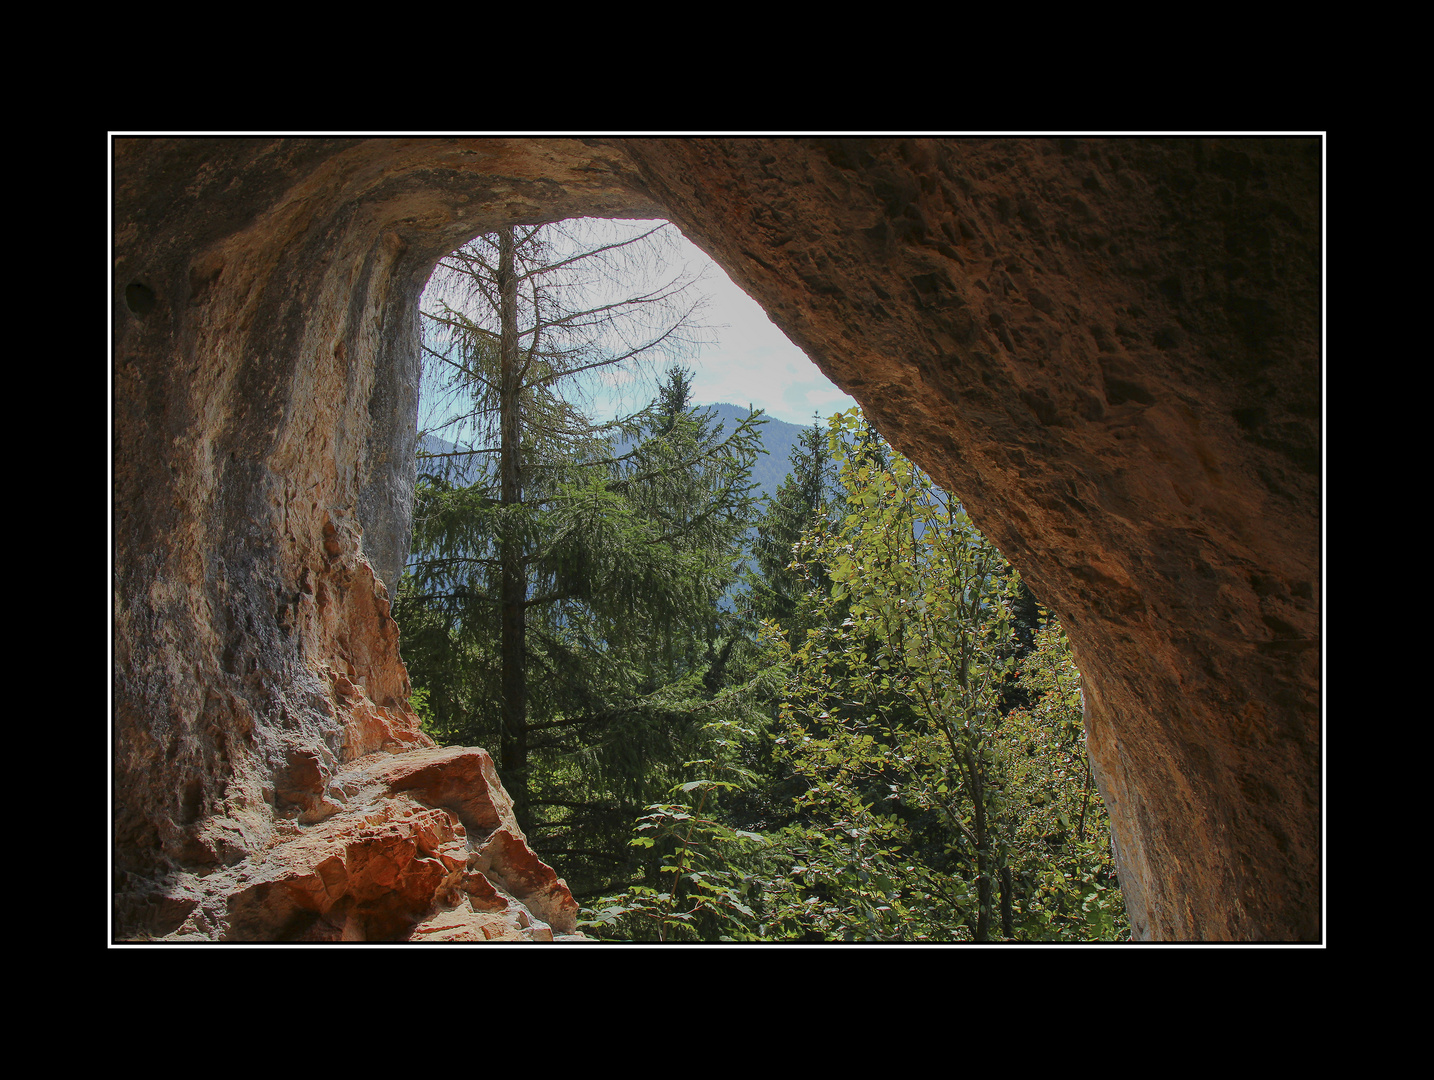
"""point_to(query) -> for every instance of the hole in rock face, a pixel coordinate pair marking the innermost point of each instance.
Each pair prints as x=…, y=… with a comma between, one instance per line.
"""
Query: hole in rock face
x=191, y=802
x=139, y=298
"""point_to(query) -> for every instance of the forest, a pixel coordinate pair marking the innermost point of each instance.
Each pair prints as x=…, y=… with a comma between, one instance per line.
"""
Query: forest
x=831, y=714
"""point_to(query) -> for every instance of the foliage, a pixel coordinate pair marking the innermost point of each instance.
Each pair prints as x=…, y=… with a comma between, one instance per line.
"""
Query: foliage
x=893, y=694
x=882, y=742
x=625, y=564
x=633, y=665
x=1060, y=832
x=562, y=599
x=913, y=819
x=699, y=889
x=808, y=497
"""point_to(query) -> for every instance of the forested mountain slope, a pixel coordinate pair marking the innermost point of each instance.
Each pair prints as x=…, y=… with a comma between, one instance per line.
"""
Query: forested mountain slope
x=778, y=438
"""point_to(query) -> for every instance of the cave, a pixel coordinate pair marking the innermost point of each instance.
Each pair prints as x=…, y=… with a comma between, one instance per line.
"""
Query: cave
x=1110, y=348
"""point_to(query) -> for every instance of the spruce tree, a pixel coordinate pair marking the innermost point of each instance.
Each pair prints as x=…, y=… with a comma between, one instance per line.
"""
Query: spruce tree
x=807, y=497
x=562, y=598
x=511, y=347
x=635, y=658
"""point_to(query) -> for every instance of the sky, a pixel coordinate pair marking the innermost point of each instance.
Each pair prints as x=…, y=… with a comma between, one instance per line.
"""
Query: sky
x=754, y=362
x=750, y=362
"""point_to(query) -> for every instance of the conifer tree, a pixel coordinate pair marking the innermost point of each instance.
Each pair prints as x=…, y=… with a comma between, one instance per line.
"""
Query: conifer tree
x=808, y=496
x=509, y=348
x=637, y=664
x=561, y=590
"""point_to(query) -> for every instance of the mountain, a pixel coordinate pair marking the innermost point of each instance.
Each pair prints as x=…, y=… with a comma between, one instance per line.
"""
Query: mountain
x=778, y=438
x=462, y=469
x=768, y=472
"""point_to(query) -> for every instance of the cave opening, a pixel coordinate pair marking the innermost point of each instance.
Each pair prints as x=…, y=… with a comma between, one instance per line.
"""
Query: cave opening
x=572, y=800
x=1058, y=329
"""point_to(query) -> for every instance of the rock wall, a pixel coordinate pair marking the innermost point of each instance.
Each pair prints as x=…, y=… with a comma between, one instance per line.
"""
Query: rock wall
x=1110, y=349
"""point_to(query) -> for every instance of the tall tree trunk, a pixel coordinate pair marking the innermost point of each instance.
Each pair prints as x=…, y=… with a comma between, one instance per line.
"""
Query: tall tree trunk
x=1084, y=800
x=514, y=586
x=1007, y=930
x=983, y=849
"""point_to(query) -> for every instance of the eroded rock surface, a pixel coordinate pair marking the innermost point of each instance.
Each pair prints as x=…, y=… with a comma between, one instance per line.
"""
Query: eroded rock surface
x=1108, y=348
x=389, y=848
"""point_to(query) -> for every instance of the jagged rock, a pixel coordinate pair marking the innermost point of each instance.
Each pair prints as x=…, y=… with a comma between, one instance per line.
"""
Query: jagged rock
x=1109, y=348
x=463, y=779
x=406, y=854
x=506, y=855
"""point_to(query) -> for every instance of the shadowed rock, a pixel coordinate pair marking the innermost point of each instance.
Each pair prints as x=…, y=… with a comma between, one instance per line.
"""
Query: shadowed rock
x=1109, y=349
